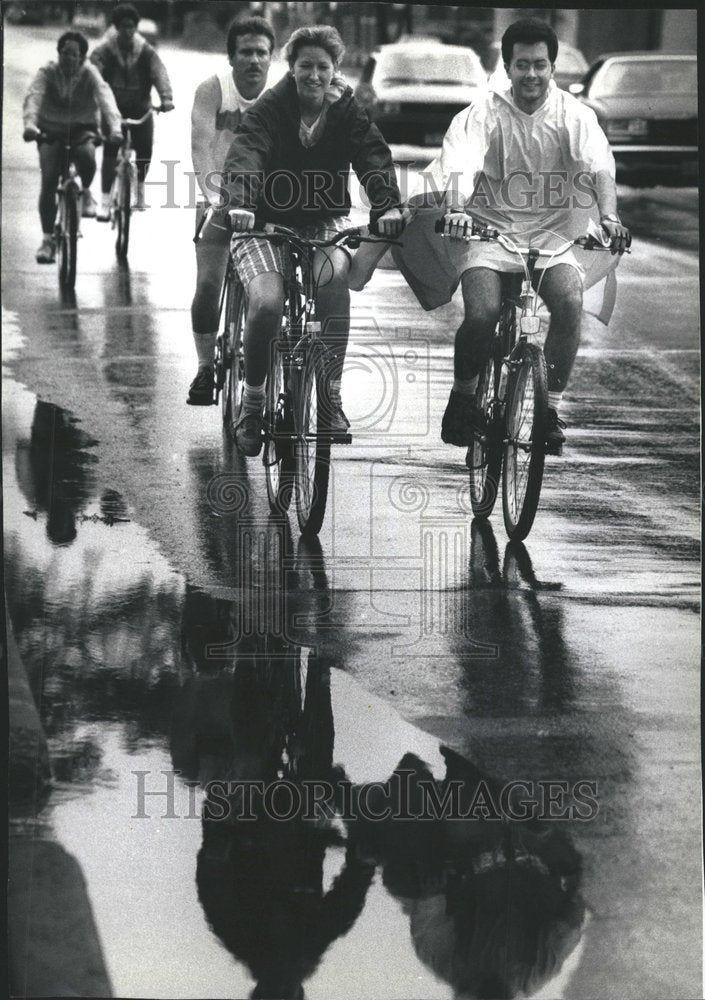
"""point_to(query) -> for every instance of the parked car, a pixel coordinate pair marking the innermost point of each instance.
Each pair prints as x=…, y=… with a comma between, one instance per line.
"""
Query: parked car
x=413, y=89
x=647, y=104
x=571, y=65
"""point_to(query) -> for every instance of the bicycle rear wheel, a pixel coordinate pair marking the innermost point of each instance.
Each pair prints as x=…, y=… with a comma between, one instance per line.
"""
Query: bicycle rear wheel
x=312, y=450
x=233, y=365
x=67, y=241
x=484, y=458
x=524, y=449
x=123, y=212
x=278, y=452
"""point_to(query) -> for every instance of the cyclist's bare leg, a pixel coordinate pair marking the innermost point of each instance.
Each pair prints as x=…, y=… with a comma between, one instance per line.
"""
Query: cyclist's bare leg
x=211, y=263
x=50, y=160
x=265, y=302
x=333, y=305
x=482, y=291
x=84, y=157
x=562, y=291
x=107, y=170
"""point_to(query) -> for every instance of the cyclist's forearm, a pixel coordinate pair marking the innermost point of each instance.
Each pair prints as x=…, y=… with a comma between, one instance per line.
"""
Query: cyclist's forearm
x=606, y=191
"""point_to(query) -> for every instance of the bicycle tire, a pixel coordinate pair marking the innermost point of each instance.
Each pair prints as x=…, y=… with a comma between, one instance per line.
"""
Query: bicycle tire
x=484, y=457
x=312, y=449
x=124, y=212
x=525, y=448
x=233, y=361
x=67, y=243
x=278, y=450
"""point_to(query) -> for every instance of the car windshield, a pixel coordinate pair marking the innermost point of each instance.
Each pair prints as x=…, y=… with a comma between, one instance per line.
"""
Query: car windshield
x=651, y=76
x=425, y=67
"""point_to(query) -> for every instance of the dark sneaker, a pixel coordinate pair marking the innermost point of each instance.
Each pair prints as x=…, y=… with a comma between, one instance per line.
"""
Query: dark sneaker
x=202, y=389
x=460, y=419
x=46, y=254
x=248, y=433
x=555, y=438
x=89, y=206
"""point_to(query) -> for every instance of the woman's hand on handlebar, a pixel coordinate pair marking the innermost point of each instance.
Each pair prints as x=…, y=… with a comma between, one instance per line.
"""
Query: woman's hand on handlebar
x=241, y=221
x=31, y=133
x=458, y=225
x=390, y=224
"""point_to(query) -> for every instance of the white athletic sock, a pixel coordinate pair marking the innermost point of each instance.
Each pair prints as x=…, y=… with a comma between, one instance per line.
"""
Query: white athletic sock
x=554, y=400
x=466, y=388
x=205, y=348
x=253, y=398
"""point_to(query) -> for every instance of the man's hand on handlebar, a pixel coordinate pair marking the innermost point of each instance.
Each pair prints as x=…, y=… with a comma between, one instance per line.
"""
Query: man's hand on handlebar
x=457, y=225
x=31, y=133
x=241, y=221
x=390, y=224
x=620, y=237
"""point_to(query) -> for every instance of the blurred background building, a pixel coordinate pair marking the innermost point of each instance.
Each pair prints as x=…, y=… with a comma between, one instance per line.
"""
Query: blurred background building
x=200, y=23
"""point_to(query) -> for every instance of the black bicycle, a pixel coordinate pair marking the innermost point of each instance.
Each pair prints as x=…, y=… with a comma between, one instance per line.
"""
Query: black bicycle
x=67, y=226
x=512, y=392
x=123, y=193
x=297, y=435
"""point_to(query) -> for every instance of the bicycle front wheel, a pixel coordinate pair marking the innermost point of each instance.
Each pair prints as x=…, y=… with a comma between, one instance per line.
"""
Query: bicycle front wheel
x=67, y=242
x=278, y=452
x=233, y=365
x=312, y=450
x=484, y=458
x=524, y=448
x=123, y=210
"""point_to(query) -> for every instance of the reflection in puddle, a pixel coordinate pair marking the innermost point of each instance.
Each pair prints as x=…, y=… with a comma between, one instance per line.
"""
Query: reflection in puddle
x=139, y=674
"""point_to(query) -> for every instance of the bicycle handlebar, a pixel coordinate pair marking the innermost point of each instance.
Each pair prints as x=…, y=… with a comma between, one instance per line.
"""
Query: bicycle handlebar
x=485, y=233
x=145, y=116
x=279, y=234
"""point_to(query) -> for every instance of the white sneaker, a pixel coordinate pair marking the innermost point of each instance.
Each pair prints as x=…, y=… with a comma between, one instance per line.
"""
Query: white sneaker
x=103, y=214
x=88, y=211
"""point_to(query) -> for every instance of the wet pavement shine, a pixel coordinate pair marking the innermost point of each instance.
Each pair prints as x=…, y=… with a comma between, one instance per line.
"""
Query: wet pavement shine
x=406, y=759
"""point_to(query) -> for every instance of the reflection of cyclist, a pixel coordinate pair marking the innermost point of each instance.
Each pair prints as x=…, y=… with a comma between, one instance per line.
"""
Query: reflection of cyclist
x=131, y=67
x=218, y=106
x=494, y=906
x=521, y=160
x=289, y=163
x=64, y=103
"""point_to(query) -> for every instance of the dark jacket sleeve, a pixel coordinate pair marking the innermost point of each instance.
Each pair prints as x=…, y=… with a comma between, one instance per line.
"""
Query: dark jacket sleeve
x=371, y=160
x=250, y=152
x=159, y=76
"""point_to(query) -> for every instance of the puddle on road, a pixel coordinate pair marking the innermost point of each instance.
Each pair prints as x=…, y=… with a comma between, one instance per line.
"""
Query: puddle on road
x=138, y=675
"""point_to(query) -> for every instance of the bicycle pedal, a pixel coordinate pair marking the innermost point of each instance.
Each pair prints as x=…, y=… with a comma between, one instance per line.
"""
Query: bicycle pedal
x=340, y=438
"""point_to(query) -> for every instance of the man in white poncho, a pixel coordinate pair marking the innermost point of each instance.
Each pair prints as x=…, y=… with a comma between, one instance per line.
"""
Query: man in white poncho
x=523, y=159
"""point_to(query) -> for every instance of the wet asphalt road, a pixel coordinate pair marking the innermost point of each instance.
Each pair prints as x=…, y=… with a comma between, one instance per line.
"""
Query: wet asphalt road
x=136, y=541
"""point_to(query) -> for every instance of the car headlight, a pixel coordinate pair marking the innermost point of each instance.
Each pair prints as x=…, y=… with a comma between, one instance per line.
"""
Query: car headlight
x=626, y=129
x=388, y=108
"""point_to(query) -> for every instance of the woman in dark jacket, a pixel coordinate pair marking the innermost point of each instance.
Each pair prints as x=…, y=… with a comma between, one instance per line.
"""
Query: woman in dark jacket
x=289, y=163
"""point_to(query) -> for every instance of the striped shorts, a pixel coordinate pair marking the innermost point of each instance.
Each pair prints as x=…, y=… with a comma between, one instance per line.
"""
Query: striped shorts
x=255, y=256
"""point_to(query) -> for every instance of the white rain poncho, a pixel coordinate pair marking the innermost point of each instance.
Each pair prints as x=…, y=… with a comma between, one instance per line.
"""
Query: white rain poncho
x=518, y=173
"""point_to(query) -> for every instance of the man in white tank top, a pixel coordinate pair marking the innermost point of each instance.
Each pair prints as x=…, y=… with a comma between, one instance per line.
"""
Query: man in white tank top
x=218, y=105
